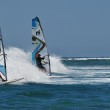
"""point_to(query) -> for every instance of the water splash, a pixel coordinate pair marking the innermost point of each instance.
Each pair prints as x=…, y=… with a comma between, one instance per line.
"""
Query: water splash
x=57, y=66
x=19, y=66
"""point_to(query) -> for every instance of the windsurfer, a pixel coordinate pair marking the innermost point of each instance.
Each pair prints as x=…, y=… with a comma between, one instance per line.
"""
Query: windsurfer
x=39, y=63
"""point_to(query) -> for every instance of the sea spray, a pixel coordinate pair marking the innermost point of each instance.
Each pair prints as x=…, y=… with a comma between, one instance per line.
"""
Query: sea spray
x=56, y=65
x=19, y=65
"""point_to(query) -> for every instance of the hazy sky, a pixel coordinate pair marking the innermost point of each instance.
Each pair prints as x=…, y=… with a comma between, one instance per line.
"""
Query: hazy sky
x=78, y=28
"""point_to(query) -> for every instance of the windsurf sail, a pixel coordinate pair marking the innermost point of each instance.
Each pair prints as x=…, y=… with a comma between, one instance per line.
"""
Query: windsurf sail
x=3, y=72
x=39, y=44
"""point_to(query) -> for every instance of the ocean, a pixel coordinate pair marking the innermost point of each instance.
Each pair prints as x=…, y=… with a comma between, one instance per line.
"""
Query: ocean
x=75, y=84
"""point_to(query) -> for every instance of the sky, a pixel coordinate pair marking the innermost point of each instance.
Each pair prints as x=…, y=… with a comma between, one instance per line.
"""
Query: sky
x=72, y=28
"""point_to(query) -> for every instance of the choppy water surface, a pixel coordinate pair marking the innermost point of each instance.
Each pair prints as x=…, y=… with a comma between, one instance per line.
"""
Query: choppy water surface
x=75, y=84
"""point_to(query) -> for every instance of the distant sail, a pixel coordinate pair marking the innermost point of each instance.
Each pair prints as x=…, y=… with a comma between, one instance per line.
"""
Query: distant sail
x=3, y=72
x=39, y=44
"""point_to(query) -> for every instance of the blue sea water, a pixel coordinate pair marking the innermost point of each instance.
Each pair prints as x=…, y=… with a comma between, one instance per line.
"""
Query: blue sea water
x=75, y=84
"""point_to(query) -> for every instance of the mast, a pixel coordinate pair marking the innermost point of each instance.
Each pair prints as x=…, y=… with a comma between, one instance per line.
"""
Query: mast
x=45, y=44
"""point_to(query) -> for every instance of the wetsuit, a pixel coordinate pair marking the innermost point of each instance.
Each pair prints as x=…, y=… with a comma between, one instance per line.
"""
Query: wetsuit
x=39, y=64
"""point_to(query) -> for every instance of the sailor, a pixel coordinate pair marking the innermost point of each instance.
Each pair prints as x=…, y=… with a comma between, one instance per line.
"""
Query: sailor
x=39, y=63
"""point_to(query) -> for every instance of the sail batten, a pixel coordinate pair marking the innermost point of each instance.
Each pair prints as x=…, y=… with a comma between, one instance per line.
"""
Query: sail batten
x=39, y=44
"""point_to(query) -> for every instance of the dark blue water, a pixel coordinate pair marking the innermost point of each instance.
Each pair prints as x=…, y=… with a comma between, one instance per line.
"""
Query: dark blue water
x=83, y=87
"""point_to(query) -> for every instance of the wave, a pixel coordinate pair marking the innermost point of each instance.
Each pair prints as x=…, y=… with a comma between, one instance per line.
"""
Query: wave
x=19, y=65
x=97, y=58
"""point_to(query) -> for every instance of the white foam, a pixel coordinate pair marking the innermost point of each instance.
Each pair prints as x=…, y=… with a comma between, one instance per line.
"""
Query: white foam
x=19, y=66
x=57, y=66
x=100, y=58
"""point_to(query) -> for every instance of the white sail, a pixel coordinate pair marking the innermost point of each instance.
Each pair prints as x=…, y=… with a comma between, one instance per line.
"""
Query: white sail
x=3, y=73
x=39, y=44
